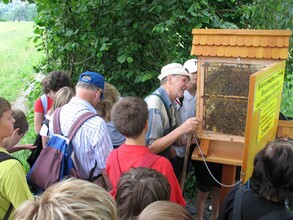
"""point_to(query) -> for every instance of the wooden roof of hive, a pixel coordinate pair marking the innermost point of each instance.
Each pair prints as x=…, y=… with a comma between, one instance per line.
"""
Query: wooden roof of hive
x=258, y=44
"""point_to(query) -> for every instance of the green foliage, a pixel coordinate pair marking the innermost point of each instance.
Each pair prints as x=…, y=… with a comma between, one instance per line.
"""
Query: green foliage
x=280, y=16
x=190, y=184
x=22, y=156
x=127, y=41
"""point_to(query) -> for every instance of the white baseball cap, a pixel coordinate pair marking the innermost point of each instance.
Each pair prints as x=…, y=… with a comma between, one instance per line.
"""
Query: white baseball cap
x=191, y=65
x=172, y=69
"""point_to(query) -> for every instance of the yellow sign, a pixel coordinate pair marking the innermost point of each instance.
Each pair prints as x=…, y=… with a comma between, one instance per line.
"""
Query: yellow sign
x=264, y=100
x=267, y=118
x=268, y=88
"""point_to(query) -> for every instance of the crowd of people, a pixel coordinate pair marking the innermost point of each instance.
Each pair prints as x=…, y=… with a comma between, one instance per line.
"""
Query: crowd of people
x=139, y=145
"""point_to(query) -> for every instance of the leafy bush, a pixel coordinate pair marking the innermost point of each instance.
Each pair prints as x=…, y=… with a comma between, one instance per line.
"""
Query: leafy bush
x=128, y=41
x=255, y=16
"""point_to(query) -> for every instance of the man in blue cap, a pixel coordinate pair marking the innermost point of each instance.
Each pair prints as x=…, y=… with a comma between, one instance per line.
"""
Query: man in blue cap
x=91, y=143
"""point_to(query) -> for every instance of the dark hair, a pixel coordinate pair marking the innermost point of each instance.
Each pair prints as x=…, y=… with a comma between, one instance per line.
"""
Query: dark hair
x=272, y=175
x=138, y=188
x=4, y=106
x=54, y=81
x=20, y=121
x=129, y=116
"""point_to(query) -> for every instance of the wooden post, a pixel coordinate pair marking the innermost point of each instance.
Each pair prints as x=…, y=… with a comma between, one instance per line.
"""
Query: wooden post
x=228, y=178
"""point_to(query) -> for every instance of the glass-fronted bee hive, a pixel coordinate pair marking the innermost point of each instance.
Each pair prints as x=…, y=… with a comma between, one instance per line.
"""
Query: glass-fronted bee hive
x=223, y=98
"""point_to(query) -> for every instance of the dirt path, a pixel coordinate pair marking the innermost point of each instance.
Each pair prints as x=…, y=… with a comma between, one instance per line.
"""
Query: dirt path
x=19, y=103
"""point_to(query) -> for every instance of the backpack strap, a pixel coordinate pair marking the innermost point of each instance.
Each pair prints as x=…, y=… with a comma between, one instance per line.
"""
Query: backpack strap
x=75, y=126
x=237, y=205
x=6, y=217
x=167, y=110
x=44, y=103
x=56, y=121
x=148, y=160
x=4, y=156
x=78, y=122
x=117, y=167
x=277, y=214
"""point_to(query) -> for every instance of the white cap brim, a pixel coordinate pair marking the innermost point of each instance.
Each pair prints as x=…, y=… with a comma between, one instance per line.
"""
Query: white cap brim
x=172, y=69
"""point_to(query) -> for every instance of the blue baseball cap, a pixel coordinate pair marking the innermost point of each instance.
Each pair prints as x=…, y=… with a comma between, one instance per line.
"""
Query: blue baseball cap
x=93, y=78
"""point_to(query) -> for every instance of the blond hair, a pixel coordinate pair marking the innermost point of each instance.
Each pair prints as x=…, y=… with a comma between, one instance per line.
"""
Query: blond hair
x=62, y=97
x=70, y=199
x=111, y=96
x=164, y=210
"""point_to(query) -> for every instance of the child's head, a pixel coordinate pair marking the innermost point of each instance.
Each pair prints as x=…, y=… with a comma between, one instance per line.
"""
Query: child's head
x=4, y=106
x=138, y=188
x=6, y=120
x=20, y=127
x=129, y=116
x=20, y=121
x=54, y=81
x=272, y=175
x=70, y=199
x=62, y=97
x=164, y=210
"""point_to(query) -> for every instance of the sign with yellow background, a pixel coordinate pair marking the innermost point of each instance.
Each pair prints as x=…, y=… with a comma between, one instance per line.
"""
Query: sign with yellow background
x=267, y=89
x=264, y=100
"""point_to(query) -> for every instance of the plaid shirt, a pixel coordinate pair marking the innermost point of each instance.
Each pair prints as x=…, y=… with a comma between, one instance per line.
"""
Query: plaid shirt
x=158, y=121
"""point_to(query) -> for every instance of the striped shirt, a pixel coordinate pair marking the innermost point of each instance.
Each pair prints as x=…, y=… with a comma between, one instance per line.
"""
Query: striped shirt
x=91, y=143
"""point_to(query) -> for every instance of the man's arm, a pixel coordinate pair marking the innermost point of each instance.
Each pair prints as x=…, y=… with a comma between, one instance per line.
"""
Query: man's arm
x=162, y=143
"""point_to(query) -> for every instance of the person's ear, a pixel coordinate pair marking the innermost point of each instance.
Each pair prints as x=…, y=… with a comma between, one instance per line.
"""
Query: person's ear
x=16, y=131
x=146, y=126
x=99, y=93
x=170, y=79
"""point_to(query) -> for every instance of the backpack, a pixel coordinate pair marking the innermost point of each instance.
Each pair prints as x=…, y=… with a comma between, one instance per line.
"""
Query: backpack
x=54, y=162
x=39, y=146
x=3, y=157
x=38, y=141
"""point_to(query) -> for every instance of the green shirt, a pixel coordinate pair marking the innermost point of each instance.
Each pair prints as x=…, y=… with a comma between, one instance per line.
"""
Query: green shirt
x=13, y=185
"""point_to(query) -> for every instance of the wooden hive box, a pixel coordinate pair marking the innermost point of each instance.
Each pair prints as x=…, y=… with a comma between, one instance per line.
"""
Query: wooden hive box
x=239, y=86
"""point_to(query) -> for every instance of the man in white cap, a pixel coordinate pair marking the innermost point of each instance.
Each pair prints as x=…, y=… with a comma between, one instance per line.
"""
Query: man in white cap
x=186, y=108
x=163, y=130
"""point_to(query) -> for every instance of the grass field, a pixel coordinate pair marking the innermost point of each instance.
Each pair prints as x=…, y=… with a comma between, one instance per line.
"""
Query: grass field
x=17, y=57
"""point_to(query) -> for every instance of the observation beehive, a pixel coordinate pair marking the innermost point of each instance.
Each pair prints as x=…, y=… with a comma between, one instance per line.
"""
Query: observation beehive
x=239, y=87
x=227, y=59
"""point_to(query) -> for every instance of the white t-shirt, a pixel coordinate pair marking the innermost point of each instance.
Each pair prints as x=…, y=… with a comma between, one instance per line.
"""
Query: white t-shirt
x=45, y=129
